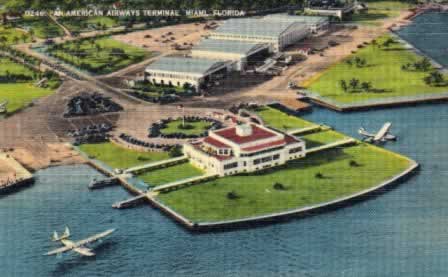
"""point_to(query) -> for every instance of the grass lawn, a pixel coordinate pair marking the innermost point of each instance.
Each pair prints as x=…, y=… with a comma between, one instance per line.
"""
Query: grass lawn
x=43, y=27
x=191, y=128
x=383, y=71
x=99, y=56
x=256, y=196
x=321, y=138
x=10, y=33
x=170, y=174
x=20, y=95
x=119, y=157
x=280, y=120
x=379, y=10
x=83, y=24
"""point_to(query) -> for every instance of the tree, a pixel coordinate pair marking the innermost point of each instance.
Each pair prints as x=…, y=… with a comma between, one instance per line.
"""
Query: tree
x=279, y=186
x=354, y=83
x=175, y=151
x=366, y=86
x=353, y=163
x=319, y=175
x=425, y=64
x=343, y=85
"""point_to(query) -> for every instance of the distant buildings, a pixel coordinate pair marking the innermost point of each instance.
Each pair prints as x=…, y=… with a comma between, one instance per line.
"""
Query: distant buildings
x=243, y=148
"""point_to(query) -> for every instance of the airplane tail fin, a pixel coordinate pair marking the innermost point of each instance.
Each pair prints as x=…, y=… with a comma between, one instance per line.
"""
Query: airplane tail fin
x=66, y=232
x=55, y=236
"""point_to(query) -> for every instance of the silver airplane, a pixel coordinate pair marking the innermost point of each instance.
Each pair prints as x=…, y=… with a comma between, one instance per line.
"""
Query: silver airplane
x=381, y=136
x=77, y=246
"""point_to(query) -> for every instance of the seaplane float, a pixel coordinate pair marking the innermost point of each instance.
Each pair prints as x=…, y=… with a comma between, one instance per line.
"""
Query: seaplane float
x=382, y=135
x=76, y=246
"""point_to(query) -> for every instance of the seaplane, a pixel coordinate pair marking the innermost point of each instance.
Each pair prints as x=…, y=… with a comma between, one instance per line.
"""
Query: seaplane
x=77, y=246
x=381, y=136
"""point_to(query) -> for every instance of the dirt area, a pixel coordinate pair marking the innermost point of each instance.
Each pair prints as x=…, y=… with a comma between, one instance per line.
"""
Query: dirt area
x=6, y=172
x=161, y=39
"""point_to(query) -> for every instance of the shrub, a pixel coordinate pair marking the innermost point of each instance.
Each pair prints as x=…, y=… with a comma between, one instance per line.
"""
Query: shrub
x=319, y=175
x=279, y=186
x=232, y=195
x=353, y=163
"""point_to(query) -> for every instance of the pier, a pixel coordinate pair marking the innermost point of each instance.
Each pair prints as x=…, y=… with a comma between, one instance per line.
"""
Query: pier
x=97, y=184
x=132, y=202
x=156, y=165
x=184, y=182
x=338, y=143
x=20, y=175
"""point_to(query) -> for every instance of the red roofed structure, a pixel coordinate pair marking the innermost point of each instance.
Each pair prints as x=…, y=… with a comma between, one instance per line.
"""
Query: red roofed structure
x=243, y=148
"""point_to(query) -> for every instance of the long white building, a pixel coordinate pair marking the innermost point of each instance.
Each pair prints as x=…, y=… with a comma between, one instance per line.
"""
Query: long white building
x=243, y=148
x=179, y=70
x=279, y=35
x=314, y=23
x=241, y=53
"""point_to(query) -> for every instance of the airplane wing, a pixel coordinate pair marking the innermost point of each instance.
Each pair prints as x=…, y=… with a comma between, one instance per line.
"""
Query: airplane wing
x=84, y=251
x=363, y=132
x=59, y=250
x=94, y=238
x=384, y=130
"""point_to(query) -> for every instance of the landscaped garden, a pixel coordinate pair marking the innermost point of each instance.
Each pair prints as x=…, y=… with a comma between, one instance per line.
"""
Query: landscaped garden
x=41, y=27
x=17, y=84
x=119, y=157
x=157, y=93
x=170, y=174
x=381, y=69
x=184, y=127
x=9, y=36
x=93, y=23
x=98, y=55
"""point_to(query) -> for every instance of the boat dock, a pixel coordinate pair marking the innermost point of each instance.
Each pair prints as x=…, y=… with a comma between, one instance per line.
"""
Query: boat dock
x=131, y=202
x=335, y=144
x=155, y=165
x=20, y=175
x=97, y=184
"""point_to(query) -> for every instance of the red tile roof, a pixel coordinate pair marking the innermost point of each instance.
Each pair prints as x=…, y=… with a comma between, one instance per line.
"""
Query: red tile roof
x=216, y=143
x=257, y=134
x=287, y=140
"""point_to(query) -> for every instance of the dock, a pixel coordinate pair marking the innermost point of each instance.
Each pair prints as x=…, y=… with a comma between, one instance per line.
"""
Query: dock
x=310, y=129
x=22, y=177
x=97, y=184
x=335, y=144
x=184, y=182
x=131, y=202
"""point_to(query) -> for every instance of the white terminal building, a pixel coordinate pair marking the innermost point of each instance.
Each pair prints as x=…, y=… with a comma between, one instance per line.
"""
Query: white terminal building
x=314, y=23
x=178, y=71
x=243, y=148
x=279, y=34
x=241, y=53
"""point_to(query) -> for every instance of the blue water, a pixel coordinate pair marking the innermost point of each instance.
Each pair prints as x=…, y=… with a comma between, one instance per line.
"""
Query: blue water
x=401, y=233
x=429, y=33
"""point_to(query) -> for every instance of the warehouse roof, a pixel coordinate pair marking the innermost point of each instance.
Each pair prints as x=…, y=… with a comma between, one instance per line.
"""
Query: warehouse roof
x=186, y=65
x=228, y=46
x=253, y=27
x=282, y=17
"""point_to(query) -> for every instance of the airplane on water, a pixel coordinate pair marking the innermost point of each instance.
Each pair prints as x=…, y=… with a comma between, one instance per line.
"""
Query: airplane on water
x=77, y=246
x=381, y=136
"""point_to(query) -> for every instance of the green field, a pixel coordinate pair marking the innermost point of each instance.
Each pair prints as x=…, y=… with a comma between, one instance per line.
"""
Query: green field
x=281, y=121
x=190, y=127
x=99, y=56
x=382, y=70
x=321, y=138
x=119, y=157
x=19, y=94
x=10, y=33
x=170, y=174
x=256, y=196
x=43, y=27
x=77, y=24
x=379, y=10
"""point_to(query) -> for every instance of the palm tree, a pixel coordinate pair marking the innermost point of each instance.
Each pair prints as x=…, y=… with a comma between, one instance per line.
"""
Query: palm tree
x=354, y=83
x=343, y=85
x=366, y=86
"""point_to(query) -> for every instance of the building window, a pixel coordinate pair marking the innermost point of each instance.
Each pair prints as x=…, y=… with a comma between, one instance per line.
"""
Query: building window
x=276, y=157
x=295, y=150
x=230, y=165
